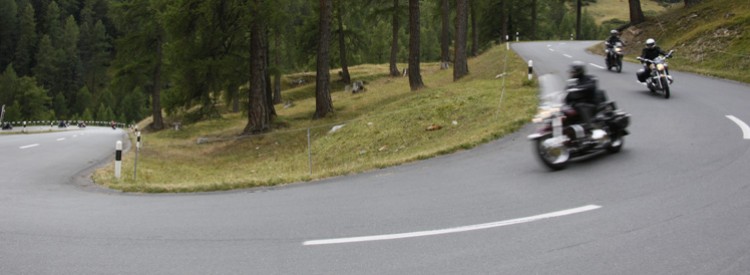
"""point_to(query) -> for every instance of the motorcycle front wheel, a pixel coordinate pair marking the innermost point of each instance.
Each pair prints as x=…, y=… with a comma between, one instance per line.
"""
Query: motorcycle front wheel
x=665, y=87
x=554, y=157
x=619, y=65
x=615, y=145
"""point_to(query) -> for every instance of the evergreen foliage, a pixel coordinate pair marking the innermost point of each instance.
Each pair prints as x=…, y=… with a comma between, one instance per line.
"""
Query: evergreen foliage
x=135, y=57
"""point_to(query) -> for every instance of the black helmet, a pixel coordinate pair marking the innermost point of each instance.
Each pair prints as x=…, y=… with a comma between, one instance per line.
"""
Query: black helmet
x=577, y=69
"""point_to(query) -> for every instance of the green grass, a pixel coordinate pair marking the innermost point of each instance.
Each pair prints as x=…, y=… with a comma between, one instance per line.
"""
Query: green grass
x=711, y=38
x=384, y=126
x=606, y=10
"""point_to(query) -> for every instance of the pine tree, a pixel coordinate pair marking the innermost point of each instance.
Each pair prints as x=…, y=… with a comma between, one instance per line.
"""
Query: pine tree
x=27, y=42
x=46, y=59
x=68, y=78
x=8, y=31
x=60, y=106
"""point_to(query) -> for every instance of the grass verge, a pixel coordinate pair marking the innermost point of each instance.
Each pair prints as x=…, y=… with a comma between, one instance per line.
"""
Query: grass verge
x=710, y=38
x=385, y=126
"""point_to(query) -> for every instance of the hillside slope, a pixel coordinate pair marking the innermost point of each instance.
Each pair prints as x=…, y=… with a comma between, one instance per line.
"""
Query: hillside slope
x=384, y=126
x=711, y=38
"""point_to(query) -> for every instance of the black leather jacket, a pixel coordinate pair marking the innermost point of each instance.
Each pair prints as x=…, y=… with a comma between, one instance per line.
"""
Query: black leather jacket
x=612, y=40
x=652, y=53
x=582, y=90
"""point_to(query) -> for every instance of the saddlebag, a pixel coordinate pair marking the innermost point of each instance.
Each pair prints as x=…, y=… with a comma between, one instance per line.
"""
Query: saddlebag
x=642, y=76
x=621, y=120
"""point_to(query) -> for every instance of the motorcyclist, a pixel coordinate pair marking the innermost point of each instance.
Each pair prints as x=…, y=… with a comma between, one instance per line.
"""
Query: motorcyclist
x=614, y=37
x=651, y=52
x=582, y=93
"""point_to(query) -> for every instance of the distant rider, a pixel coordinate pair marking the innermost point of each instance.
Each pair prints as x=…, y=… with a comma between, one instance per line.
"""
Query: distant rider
x=614, y=37
x=582, y=93
x=651, y=52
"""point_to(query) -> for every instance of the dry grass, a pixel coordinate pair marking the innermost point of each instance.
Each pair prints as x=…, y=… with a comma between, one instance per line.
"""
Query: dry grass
x=711, y=38
x=605, y=10
x=384, y=126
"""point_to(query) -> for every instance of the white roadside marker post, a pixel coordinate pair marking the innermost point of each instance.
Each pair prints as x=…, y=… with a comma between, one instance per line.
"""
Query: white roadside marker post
x=118, y=159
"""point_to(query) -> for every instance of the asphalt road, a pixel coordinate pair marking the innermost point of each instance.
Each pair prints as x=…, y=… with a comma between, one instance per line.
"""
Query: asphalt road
x=674, y=201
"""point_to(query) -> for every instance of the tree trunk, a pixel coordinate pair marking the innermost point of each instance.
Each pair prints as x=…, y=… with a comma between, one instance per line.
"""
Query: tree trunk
x=323, y=103
x=257, y=114
x=578, y=19
x=394, y=42
x=504, y=19
x=415, y=77
x=234, y=93
x=689, y=3
x=158, y=120
x=267, y=73
x=277, y=73
x=474, y=31
x=445, y=38
x=461, y=67
x=532, y=35
x=342, y=47
x=636, y=14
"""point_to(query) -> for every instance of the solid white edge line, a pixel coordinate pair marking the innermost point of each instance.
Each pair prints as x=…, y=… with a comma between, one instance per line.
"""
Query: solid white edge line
x=29, y=146
x=455, y=229
x=745, y=129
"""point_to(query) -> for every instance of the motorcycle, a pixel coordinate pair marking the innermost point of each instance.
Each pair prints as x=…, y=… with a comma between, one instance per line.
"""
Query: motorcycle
x=560, y=136
x=659, y=80
x=614, y=56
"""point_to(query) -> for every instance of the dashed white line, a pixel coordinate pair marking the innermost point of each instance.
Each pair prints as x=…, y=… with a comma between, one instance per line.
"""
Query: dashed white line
x=745, y=129
x=567, y=55
x=455, y=229
x=28, y=146
x=595, y=65
x=60, y=139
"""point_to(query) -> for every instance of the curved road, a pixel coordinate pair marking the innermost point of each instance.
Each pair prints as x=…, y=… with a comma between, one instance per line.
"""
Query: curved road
x=675, y=200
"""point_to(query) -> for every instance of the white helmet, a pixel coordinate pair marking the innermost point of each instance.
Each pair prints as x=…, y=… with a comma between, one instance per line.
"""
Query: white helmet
x=614, y=32
x=650, y=42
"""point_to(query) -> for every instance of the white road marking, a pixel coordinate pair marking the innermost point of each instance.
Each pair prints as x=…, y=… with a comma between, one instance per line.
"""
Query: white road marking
x=455, y=229
x=567, y=55
x=60, y=139
x=592, y=64
x=28, y=146
x=551, y=49
x=745, y=129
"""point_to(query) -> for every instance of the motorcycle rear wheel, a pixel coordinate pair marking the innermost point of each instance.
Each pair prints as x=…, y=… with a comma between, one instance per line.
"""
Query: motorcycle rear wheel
x=555, y=158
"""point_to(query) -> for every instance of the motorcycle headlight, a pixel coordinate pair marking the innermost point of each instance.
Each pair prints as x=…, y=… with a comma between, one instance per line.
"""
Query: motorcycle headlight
x=660, y=67
x=618, y=50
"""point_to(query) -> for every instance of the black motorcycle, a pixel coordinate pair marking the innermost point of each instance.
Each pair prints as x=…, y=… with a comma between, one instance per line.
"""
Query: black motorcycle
x=614, y=56
x=561, y=137
x=659, y=80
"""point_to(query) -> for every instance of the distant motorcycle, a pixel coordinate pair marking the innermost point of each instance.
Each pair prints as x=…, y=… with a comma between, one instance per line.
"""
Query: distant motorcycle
x=560, y=136
x=659, y=80
x=614, y=56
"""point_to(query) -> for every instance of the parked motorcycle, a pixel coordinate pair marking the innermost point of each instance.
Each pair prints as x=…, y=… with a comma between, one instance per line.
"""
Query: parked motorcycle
x=561, y=137
x=659, y=80
x=614, y=56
